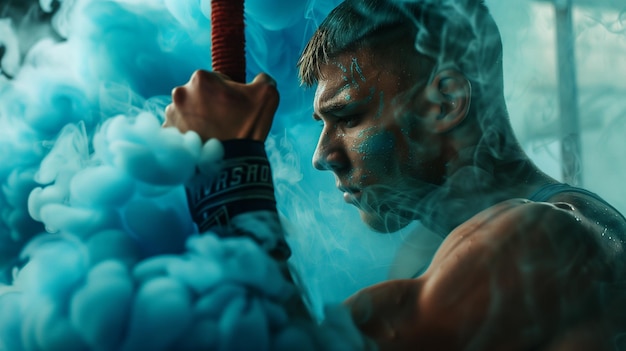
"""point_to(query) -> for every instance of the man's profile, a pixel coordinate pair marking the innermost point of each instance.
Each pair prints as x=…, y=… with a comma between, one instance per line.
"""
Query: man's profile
x=415, y=127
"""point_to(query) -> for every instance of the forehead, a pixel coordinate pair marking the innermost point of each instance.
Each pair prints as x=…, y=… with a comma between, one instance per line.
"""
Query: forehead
x=395, y=68
x=349, y=74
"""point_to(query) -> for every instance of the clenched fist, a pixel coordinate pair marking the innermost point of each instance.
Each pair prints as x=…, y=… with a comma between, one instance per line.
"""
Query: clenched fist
x=214, y=106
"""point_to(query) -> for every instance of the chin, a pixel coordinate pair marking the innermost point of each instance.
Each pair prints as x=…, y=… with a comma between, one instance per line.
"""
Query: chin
x=384, y=223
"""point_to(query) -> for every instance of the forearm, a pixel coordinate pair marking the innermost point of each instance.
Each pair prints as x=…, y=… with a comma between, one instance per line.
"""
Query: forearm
x=237, y=199
x=236, y=196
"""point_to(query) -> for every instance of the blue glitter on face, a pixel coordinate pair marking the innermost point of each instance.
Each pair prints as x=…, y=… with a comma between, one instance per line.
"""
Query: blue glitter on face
x=354, y=67
x=362, y=102
x=374, y=144
x=367, y=131
x=379, y=143
x=356, y=75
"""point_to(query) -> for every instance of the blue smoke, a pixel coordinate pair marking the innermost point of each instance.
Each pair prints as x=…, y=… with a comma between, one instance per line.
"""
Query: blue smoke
x=97, y=246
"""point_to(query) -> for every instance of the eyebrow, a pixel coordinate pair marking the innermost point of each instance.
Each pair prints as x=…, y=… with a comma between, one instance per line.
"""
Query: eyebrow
x=336, y=106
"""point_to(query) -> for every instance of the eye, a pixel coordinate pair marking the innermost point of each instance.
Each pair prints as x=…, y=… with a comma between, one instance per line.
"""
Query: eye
x=351, y=120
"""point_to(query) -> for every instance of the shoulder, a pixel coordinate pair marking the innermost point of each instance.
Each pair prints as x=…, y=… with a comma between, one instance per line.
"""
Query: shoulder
x=586, y=203
x=512, y=237
x=517, y=222
x=606, y=223
x=592, y=207
x=497, y=270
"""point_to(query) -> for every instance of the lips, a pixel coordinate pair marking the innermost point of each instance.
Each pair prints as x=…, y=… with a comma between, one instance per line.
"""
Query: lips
x=352, y=198
x=350, y=195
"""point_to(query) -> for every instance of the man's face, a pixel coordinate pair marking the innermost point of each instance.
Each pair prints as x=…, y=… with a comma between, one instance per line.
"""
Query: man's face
x=374, y=140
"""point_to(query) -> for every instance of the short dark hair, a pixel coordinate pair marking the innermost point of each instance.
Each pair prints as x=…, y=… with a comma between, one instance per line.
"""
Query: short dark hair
x=457, y=34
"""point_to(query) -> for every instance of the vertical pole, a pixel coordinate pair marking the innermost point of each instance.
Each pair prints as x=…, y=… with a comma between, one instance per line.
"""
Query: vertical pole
x=568, y=94
x=228, y=39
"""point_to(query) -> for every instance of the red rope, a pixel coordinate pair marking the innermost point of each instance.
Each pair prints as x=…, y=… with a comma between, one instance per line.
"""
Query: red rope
x=227, y=39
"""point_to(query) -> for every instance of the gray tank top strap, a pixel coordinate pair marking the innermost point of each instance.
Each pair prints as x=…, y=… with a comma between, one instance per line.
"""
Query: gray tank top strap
x=545, y=192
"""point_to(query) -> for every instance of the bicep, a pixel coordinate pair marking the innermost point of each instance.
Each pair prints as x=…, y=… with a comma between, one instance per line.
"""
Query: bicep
x=510, y=278
x=516, y=278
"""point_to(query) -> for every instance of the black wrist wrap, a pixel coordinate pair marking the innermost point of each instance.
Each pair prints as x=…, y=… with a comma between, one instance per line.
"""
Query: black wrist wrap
x=244, y=184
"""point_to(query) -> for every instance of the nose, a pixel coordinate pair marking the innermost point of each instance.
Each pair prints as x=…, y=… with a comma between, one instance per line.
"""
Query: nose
x=329, y=155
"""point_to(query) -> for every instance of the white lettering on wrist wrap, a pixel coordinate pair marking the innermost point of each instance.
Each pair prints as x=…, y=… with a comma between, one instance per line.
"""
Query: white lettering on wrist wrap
x=239, y=200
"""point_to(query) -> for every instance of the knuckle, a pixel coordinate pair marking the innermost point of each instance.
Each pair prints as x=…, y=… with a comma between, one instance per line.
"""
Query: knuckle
x=178, y=95
x=269, y=92
x=201, y=76
x=268, y=79
x=265, y=85
x=199, y=73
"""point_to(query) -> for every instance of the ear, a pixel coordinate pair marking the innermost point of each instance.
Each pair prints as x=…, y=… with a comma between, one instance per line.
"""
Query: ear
x=452, y=93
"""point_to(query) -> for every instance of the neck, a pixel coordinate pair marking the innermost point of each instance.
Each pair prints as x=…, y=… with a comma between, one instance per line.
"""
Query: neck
x=479, y=177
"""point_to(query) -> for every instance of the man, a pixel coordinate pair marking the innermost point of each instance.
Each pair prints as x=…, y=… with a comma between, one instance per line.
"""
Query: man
x=415, y=127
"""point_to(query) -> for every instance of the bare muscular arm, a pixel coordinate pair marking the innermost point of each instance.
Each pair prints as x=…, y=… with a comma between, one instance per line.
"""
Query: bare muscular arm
x=517, y=276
